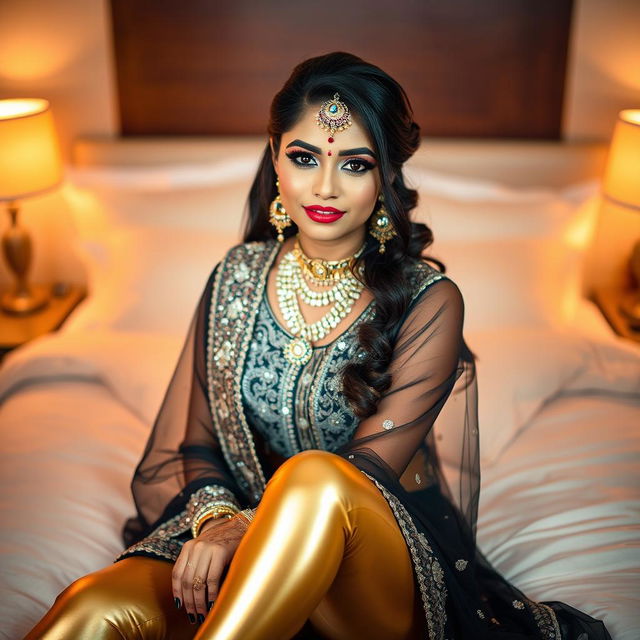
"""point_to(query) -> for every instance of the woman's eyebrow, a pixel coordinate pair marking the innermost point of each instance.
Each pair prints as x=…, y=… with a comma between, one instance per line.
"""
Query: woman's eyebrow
x=346, y=152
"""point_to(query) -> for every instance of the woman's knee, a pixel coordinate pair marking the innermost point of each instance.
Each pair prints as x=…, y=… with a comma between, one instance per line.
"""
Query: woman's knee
x=111, y=592
x=324, y=476
x=94, y=594
x=315, y=468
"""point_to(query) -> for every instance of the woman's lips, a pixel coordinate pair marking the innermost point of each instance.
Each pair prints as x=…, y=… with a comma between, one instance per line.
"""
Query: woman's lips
x=323, y=214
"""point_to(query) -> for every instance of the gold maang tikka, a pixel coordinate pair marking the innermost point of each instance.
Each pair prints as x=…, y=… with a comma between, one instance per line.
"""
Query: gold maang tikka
x=334, y=115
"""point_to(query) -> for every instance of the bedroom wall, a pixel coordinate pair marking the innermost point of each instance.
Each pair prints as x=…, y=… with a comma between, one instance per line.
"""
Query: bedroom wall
x=60, y=50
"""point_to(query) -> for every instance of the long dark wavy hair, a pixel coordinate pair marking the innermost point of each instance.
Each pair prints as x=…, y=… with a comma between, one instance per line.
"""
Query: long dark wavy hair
x=384, y=110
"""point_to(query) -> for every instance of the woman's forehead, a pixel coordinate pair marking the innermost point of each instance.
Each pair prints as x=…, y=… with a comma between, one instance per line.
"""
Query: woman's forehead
x=307, y=129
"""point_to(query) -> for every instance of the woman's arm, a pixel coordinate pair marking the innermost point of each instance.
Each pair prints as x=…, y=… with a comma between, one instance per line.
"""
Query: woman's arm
x=183, y=466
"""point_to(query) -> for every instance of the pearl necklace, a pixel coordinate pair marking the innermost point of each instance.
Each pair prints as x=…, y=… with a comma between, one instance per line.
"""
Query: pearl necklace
x=290, y=283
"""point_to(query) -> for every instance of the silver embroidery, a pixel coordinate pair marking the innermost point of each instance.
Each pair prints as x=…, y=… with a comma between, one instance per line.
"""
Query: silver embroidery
x=429, y=573
x=388, y=424
x=546, y=620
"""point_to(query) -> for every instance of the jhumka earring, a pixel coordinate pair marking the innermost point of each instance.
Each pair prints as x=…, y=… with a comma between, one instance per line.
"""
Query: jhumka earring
x=278, y=216
x=380, y=226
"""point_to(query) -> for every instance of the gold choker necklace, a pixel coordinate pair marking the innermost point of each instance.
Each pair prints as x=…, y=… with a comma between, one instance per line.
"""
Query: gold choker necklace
x=323, y=271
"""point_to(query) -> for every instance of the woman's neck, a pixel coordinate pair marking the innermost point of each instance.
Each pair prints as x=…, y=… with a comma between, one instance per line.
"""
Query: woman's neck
x=332, y=249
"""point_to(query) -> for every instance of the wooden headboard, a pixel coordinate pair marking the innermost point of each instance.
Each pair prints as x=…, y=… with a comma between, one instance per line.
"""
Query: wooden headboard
x=489, y=69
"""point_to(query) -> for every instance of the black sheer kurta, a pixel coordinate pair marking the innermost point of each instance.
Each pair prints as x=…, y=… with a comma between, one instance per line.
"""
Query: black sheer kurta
x=235, y=409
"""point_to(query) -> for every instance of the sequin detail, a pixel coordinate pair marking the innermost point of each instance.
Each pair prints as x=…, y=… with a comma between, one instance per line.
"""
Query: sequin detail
x=461, y=565
x=388, y=424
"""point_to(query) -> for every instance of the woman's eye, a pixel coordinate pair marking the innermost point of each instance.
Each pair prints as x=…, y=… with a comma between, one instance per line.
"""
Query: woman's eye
x=357, y=163
x=302, y=159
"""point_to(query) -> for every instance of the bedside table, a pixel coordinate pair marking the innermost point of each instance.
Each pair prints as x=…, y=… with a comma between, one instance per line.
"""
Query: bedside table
x=607, y=299
x=16, y=330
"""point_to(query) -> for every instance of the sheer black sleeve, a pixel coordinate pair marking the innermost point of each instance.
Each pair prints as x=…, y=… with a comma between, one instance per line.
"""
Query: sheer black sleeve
x=182, y=454
x=431, y=368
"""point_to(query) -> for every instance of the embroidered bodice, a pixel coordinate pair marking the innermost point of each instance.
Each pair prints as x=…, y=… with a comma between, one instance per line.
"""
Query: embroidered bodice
x=298, y=407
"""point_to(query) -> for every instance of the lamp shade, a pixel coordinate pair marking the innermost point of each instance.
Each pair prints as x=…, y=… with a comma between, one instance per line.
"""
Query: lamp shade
x=622, y=175
x=30, y=160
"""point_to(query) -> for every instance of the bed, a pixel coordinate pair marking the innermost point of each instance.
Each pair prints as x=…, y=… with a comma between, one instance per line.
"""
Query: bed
x=513, y=222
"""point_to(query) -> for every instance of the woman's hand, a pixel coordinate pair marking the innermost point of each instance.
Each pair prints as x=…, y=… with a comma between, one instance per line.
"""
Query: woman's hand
x=205, y=557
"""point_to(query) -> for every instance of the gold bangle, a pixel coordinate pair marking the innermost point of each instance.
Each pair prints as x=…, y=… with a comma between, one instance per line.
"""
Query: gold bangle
x=214, y=512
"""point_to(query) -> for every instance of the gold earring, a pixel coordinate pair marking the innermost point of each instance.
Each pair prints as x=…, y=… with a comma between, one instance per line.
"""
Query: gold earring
x=380, y=226
x=278, y=216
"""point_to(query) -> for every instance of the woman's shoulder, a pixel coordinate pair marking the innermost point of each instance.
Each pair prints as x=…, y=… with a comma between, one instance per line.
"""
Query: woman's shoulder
x=250, y=250
x=243, y=257
x=422, y=276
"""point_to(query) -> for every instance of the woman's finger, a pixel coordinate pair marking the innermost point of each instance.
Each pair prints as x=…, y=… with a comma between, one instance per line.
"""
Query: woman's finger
x=199, y=584
x=216, y=567
x=187, y=578
x=176, y=574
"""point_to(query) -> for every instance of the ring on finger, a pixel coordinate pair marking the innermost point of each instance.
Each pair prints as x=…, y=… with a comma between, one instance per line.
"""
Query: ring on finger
x=198, y=583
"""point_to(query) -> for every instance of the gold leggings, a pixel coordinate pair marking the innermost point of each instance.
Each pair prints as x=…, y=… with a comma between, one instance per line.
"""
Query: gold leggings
x=324, y=546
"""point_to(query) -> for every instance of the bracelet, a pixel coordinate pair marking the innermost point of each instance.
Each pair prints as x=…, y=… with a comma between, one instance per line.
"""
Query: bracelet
x=205, y=508
x=205, y=501
x=216, y=511
x=208, y=496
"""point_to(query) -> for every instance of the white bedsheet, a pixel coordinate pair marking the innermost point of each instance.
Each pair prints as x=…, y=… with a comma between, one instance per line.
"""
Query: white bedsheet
x=74, y=421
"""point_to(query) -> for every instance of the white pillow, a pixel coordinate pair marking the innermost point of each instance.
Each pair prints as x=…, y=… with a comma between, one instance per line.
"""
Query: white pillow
x=521, y=368
x=529, y=281
x=146, y=278
x=517, y=255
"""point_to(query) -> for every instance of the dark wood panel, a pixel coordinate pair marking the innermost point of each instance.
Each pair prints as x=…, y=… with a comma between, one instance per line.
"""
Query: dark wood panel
x=490, y=68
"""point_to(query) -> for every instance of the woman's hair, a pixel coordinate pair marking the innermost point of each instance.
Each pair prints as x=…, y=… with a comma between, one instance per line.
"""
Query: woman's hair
x=383, y=109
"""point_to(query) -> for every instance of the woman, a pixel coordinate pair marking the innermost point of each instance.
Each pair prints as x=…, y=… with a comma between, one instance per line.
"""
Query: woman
x=293, y=484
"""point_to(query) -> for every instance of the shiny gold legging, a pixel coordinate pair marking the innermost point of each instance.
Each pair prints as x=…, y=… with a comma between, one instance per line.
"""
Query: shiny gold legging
x=323, y=546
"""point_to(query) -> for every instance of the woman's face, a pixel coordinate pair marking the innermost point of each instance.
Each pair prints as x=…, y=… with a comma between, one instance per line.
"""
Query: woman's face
x=347, y=180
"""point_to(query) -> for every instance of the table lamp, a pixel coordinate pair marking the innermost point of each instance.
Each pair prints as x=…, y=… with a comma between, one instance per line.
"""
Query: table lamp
x=621, y=185
x=30, y=164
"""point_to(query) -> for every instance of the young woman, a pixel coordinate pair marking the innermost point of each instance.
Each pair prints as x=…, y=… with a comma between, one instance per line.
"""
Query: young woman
x=293, y=484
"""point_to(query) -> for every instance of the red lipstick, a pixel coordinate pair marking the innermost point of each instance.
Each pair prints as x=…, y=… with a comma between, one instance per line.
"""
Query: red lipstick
x=323, y=214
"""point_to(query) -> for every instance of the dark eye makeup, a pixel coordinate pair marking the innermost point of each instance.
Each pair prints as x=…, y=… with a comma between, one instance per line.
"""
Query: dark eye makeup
x=297, y=158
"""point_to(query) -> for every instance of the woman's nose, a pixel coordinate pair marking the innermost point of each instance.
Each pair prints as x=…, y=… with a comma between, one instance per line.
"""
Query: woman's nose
x=326, y=183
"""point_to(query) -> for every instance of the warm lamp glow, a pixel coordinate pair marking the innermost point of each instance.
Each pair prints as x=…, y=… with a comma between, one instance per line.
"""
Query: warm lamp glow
x=30, y=160
x=621, y=183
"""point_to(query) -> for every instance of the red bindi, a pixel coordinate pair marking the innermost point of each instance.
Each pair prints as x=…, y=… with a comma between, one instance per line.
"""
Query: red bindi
x=330, y=139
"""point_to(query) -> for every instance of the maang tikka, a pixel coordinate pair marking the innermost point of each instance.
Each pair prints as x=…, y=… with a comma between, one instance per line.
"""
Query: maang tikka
x=334, y=115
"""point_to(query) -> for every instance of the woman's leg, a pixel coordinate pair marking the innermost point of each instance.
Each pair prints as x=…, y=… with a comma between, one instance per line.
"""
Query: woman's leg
x=131, y=598
x=324, y=545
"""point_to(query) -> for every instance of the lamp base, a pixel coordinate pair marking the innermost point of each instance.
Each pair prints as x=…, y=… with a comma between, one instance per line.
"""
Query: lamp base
x=37, y=297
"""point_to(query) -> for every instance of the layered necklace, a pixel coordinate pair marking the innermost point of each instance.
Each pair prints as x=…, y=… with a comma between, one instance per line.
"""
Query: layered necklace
x=339, y=288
